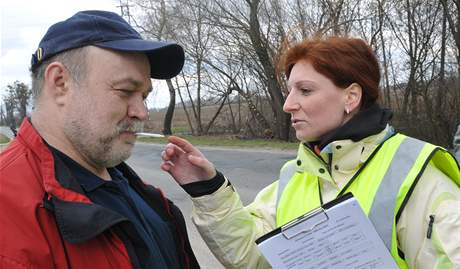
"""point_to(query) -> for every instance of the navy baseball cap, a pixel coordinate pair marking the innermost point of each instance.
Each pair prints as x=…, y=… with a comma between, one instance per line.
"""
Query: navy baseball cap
x=108, y=30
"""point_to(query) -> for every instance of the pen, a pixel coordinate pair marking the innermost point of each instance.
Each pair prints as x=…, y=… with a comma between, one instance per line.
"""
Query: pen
x=149, y=134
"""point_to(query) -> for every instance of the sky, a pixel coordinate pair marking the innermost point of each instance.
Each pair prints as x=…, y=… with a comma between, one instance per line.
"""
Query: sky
x=24, y=22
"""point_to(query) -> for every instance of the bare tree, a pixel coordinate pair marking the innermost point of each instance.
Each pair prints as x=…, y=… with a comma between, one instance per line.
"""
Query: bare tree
x=16, y=101
x=21, y=95
x=452, y=15
x=9, y=110
x=2, y=115
x=155, y=24
x=233, y=48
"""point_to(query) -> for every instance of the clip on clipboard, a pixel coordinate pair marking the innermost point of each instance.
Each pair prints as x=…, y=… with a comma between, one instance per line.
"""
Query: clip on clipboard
x=305, y=223
x=337, y=235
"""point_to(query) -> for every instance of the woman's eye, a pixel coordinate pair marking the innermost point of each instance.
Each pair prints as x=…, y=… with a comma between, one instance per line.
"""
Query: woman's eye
x=305, y=91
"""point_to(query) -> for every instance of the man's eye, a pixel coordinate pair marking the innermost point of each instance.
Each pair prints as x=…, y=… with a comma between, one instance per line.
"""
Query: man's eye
x=124, y=93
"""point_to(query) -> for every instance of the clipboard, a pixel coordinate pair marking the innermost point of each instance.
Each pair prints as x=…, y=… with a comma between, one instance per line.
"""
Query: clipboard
x=337, y=235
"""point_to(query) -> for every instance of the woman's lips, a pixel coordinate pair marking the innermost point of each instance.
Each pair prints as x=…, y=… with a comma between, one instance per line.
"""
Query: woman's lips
x=297, y=122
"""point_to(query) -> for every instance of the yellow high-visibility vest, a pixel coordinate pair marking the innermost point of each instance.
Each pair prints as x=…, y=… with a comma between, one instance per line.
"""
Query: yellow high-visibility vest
x=382, y=185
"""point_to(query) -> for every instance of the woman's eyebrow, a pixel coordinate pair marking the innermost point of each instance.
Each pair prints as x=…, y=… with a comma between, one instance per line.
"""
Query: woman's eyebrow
x=301, y=83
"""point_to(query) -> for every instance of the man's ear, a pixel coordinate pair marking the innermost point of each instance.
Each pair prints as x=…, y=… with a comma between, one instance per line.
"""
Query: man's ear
x=57, y=82
x=353, y=95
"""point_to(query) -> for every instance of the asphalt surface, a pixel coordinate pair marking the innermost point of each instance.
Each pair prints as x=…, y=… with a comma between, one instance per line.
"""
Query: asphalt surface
x=248, y=170
x=6, y=131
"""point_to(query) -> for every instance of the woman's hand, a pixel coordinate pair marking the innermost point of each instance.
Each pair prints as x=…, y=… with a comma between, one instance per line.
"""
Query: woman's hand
x=185, y=162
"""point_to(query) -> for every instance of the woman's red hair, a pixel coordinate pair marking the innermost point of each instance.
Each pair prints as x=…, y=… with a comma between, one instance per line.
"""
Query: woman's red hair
x=343, y=60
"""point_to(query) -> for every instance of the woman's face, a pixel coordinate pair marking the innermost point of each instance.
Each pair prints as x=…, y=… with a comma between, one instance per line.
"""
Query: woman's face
x=316, y=105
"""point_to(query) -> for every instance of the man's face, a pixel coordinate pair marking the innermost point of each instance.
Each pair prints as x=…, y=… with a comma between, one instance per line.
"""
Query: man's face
x=107, y=108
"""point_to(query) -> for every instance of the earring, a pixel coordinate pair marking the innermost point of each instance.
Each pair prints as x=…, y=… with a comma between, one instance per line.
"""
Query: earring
x=347, y=110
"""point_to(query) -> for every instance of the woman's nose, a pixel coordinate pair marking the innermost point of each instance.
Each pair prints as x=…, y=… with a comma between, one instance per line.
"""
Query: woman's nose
x=290, y=104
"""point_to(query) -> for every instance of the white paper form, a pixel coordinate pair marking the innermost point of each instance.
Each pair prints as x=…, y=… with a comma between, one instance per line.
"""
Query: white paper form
x=333, y=237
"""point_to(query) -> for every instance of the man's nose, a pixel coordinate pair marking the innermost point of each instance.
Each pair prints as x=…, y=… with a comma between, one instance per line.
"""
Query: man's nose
x=138, y=109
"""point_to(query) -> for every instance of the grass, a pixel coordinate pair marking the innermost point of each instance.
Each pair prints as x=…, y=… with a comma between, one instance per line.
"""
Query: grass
x=4, y=139
x=231, y=142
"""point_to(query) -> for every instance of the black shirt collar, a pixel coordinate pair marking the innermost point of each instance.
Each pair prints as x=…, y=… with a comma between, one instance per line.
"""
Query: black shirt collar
x=87, y=180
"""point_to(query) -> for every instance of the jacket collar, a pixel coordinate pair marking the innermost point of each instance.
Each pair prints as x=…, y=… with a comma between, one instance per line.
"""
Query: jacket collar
x=77, y=218
x=365, y=123
x=28, y=136
x=347, y=152
x=350, y=145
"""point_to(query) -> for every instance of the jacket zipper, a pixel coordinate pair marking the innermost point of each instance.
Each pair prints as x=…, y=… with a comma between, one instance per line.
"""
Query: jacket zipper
x=328, y=168
x=320, y=159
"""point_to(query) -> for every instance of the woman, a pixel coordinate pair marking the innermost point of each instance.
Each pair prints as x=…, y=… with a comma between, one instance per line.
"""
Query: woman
x=346, y=145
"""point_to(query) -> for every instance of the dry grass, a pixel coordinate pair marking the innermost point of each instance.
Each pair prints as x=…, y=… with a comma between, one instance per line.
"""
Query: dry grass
x=4, y=139
x=181, y=126
x=221, y=135
x=231, y=142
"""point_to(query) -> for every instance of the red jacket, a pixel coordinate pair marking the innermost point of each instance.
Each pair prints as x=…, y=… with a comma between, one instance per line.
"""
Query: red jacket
x=47, y=221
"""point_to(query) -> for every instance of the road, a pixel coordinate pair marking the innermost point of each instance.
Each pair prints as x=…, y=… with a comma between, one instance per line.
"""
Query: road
x=248, y=170
x=5, y=130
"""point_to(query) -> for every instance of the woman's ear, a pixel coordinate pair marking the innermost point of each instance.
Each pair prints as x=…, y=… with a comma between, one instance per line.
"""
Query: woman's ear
x=353, y=95
x=57, y=82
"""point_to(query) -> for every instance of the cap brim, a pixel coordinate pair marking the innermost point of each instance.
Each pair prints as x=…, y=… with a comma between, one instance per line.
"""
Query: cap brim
x=166, y=59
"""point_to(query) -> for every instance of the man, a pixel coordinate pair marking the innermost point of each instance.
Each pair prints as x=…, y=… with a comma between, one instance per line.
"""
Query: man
x=67, y=199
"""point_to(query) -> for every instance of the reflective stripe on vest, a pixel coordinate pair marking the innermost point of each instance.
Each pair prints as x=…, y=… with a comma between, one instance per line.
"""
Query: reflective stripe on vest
x=383, y=207
x=285, y=175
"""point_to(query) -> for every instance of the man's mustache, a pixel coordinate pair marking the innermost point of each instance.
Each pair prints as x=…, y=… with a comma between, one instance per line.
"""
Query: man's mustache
x=130, y=126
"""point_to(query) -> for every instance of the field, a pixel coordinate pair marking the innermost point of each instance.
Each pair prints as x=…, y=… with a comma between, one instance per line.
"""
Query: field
x=4, y=139
x=222, y=125
x=229, y=141
x=221, y=134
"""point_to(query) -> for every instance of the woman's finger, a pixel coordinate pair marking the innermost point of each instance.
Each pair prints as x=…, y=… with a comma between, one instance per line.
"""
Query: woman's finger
x=182, y=143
